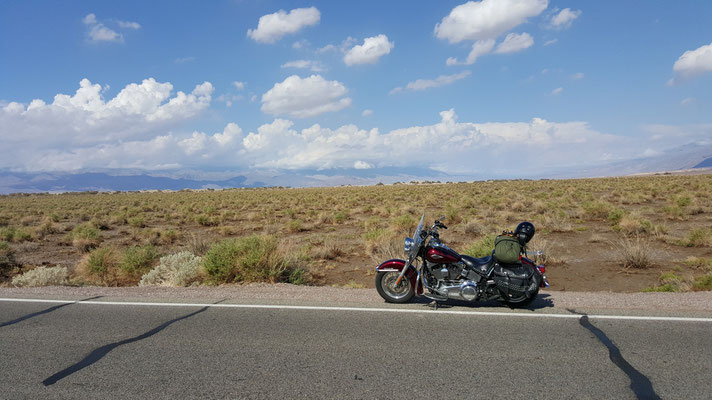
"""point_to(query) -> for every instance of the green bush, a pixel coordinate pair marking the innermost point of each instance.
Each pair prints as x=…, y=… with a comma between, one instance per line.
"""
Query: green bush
x=340, y=217
x=482, y=247
x=100, y=261
x=703, y=283
x=404, y=223
x=42, y=276
x=137, y=260
x=249, y=259
x=7, y=257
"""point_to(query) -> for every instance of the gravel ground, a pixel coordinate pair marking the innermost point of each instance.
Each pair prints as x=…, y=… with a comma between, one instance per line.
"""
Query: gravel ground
x=291, y=294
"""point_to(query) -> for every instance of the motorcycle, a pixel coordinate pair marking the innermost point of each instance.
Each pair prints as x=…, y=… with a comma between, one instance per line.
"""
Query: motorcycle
x=431, y=265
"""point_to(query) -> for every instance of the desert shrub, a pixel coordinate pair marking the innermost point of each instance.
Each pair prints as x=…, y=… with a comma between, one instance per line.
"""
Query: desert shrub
x=340, y=217
x=699, y=263
x=328, y=251
x=13, y=234
x=137, y=260
x=7, y=257
x=698, y=237
x=205, y=220
x=404, y=223
x=473, y=228
x=615, y=216
x=137, y=222
x=42, y=276
x=47, y=228
x=635, y=253
x=482, y=247
x=703, y=283
x=597, y=209
x=662, y=288
x=247, y=259
x=84, y=237
x=385, y=249
x=294, y=226
x=180, y=269
x=198, y=245
x=452, y=215
x=100, y=223
x=541, y=245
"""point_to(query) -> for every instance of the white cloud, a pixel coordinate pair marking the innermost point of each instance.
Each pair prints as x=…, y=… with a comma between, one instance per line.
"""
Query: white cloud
x=442, y=80
x=693, y=63
x=129, y=25
x=557, y=91
x=308, y=97
x=183, y=60
x=272, y=27
x=564, y=19
x=577, y=76
x=486, y=19
x=367, y=113
x=687, y=100
x=314, y=66
x=515, y=42
x=300, y=44
x=550, y=42
x=239, y=85
x=362, y=165
x=98, y=32
x=370, y=51
x=86, y=118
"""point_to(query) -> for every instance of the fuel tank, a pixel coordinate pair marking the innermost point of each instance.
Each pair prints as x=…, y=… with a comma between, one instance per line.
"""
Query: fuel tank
x=442, y=255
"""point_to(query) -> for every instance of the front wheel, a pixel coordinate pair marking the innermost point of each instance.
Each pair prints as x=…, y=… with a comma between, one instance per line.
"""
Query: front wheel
x=392, y=293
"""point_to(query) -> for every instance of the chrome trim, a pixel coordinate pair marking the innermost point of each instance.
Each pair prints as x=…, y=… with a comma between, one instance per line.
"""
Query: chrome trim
x=387, y=270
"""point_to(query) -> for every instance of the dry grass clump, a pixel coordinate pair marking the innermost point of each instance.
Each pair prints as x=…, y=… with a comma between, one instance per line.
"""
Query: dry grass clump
x=7, y=258
x=635, y=253
x=546, y=254
x=386, y=249
x=42, y=276
x=329, y=250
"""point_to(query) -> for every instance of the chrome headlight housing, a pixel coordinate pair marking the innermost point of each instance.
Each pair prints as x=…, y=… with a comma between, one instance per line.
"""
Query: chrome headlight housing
x=408, y=245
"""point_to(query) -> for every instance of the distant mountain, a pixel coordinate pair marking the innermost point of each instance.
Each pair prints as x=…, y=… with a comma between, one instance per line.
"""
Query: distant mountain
x=706, y=163
x=93, y=181
x=683, y=157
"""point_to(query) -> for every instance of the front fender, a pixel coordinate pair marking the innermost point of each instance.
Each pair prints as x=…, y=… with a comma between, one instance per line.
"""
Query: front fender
x=396, y=265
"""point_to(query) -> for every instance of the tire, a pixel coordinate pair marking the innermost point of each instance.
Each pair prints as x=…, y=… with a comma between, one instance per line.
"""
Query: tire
x=522, y=301
x=403, y=293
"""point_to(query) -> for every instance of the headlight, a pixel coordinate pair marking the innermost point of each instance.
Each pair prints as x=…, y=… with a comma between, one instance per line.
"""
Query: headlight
x=408, y=244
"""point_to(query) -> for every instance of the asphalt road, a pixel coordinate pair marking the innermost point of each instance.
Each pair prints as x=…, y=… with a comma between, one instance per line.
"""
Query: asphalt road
x=66, y=350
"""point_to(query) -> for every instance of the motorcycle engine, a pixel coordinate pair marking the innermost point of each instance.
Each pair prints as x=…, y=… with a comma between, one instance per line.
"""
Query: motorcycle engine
x=444, y=272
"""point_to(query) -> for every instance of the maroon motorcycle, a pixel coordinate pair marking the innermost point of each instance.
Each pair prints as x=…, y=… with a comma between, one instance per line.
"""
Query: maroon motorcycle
x=445, y=274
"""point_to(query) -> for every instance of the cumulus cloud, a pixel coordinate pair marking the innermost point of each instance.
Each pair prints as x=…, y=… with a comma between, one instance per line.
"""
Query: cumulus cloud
x=515, y=42
x=557, y=91
x=314, y=66
x=372, y=49
x=442, y=80
x=307, y=97
x=366, y=113
x=486, y=19
x=239, y=85
x=98, y=32
x=693, y=63
x=272, y=27
x=86, y=117
x=563, y=19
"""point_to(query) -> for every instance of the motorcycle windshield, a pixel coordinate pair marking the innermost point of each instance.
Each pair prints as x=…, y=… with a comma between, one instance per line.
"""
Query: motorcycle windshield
x=417, y=240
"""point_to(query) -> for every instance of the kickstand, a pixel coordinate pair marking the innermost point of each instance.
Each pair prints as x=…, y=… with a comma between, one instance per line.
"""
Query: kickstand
x=434, y=304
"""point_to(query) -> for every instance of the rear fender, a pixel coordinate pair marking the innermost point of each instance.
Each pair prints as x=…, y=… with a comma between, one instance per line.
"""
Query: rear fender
x=396, y=265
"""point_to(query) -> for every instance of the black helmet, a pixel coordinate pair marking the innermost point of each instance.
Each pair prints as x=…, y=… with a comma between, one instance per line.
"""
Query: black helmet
x=524, y=232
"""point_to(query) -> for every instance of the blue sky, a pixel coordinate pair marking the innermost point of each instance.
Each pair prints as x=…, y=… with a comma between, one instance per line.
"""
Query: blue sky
x=326, y=85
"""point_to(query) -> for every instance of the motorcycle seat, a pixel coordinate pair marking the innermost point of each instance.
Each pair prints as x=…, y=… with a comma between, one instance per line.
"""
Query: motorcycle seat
x=482, y=264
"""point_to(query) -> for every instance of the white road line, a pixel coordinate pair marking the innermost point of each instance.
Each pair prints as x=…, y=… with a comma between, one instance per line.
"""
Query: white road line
x=368, y=309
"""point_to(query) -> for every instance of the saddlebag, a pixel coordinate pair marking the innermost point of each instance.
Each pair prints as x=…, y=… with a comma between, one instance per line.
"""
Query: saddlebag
x=515, y=279
x=507, y=249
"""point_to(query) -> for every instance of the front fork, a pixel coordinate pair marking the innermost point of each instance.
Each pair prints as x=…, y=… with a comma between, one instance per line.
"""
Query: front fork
x=405, y=268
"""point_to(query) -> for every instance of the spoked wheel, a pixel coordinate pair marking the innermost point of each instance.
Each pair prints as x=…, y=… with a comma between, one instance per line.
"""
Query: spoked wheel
x=392, y=293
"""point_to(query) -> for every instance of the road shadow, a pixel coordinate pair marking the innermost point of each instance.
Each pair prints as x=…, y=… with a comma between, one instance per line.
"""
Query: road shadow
x=99, y=353
x=639, y=383
x=543, y=300
x=46, y=311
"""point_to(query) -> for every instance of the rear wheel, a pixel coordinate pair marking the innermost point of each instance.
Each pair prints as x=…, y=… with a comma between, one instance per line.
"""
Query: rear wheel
x=392, y=293
x=522, y=300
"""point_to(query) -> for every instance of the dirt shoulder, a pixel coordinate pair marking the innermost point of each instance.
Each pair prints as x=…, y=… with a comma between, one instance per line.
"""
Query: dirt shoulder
x=692, y=302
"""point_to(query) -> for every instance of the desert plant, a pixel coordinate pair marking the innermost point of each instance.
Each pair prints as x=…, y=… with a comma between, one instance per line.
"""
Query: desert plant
x=703, y=283
x=137, y=260
x=42, y=276
x=482, y=247
x=246, y=259
x=84, y=237
x=699, y=263
x=180, y=269
x=7, y=257
x=698, y=237
x=634, y=252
